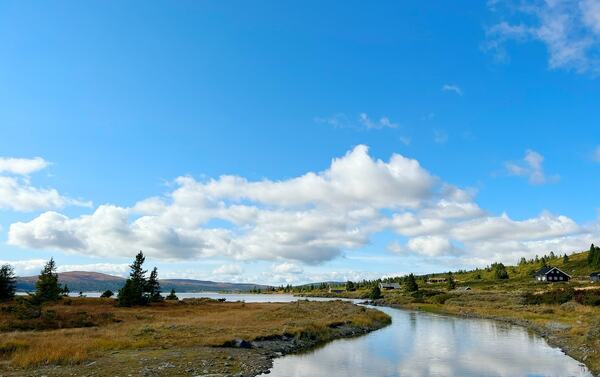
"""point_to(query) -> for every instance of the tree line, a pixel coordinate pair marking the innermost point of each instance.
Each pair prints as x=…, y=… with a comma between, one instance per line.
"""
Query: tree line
x=137, y=290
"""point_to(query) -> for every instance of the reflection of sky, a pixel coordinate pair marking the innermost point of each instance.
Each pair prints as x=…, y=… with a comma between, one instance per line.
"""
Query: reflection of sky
x=421, y=344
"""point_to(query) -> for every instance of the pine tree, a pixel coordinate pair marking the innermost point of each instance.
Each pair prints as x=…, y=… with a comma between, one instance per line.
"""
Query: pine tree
x=153, y=287
x=129, y=295
x=411, y=284
x=500, y=272
x=451, y=282
x=350, y=286
x=138, y=274
x=591, y=255
x=135, y=286
x=7, y=282
x=47, y=287
x=375, y=292
x=172, y=295
x=565, y=259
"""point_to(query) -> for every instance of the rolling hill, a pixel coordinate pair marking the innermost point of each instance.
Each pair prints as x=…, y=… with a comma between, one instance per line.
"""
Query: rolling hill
x=96, y=282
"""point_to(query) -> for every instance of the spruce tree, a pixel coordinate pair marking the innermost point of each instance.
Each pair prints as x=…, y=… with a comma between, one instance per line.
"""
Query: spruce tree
x=411, y=283
x=7, y=282
x=138, y=274
x=565, y=259
x=375, y=292
x=172, y=295
x=135, y=286
x=591, y=255
x=500, y=272
x=153, y=287
x=451, y=281
x=47, y=287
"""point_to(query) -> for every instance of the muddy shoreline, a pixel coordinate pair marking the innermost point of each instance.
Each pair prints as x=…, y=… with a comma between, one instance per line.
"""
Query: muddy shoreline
x=238, y=358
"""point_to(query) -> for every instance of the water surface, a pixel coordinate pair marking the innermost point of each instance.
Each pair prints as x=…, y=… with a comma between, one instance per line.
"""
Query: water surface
x=419, y=344
x=247, y=297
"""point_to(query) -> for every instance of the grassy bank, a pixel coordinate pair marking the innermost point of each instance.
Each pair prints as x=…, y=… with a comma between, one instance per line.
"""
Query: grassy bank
x=573, y=327
x=566, y=314
x=84, y=330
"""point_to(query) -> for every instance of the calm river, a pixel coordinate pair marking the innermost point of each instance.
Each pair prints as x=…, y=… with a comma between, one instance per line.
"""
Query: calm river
x=419, y=344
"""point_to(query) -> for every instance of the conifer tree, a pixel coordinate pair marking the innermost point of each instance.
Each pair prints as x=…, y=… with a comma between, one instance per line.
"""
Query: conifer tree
x=135, y=286
x=172, y=295
x=7, y=282
x=591, y=255
x=451, y=281
x=375, y=292
x=153, y=287
x=500, y=271
x=47, y=287
x=411, y=284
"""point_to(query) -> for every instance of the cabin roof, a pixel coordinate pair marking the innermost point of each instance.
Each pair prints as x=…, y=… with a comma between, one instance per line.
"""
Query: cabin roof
x=594, y=274
x=392, y=285
x=545, y=270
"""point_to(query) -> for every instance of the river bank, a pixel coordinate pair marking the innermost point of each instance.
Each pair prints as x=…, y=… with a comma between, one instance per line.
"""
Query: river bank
x=92, y=337
x=573, y=328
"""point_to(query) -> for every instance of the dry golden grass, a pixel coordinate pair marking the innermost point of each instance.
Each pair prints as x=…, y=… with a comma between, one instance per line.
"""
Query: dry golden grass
x=168, y=324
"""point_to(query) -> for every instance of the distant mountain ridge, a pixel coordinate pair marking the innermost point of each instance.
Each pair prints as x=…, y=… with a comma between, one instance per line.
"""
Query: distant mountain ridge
x=86, y=281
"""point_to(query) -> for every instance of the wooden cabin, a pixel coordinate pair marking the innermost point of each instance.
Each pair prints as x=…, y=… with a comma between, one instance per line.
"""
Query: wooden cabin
x=551, y=275
x=437, y=280
x=595, y=277
x=389, y=286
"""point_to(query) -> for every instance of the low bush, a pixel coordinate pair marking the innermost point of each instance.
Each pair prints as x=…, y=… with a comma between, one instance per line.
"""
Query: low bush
x=554, y=296
x=441, y=298
x=588, y=297
x=562, y=295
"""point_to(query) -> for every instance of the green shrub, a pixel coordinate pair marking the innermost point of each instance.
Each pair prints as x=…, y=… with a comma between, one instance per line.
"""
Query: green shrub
x=441, y=298
x=588, y=297
x=555, y=296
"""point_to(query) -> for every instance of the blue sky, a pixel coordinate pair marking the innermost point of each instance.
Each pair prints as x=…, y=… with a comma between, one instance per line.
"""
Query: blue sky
x=490, y=109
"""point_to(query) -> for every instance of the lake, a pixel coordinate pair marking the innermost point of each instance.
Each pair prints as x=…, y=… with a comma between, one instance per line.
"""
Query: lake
x=248, y=297
x=419, y=344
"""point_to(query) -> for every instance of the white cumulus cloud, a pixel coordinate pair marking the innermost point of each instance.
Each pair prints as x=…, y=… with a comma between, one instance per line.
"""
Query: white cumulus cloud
x=18, y=194
x=22, y=166
x=309, y=219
